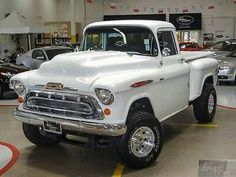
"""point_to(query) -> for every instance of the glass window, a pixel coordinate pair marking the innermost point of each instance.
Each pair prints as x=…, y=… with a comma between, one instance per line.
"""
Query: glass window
x=53, y=52
x=233, y=54
x=38, y=53
x=133, y=40
x=166, y=40
x=218, y=45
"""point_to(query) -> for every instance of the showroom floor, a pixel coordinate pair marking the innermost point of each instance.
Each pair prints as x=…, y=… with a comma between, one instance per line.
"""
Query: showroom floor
x=187, y=145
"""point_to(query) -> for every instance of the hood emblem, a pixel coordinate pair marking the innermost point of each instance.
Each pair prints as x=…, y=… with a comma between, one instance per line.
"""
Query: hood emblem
x=54, y=86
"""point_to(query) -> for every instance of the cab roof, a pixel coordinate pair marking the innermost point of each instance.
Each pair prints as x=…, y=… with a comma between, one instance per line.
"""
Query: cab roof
x=151, y=24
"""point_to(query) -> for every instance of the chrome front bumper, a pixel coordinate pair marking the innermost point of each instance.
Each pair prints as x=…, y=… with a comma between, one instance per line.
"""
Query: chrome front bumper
x=71, y=126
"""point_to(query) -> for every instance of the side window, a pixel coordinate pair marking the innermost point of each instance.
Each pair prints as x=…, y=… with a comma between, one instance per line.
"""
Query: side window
x=166, y=40
x=218, y=45
x=234, y=54
x=36, y=54
x=93, y=41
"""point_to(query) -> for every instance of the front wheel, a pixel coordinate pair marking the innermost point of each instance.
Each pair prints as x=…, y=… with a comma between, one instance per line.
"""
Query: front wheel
x=205, y=106
x=142, y=142
x=39, y=137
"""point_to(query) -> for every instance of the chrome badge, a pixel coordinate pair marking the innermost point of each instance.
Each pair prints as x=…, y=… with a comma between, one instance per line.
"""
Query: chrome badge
x=54, y=86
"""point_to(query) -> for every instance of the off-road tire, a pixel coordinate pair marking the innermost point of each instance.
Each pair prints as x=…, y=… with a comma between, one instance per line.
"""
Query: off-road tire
x=122, y=146
x=205, y=106
x=38, y=137
x=1, y=91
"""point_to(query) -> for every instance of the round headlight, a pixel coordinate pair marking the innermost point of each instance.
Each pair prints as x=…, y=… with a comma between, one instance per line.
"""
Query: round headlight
x=19, y=87
x=104, y=96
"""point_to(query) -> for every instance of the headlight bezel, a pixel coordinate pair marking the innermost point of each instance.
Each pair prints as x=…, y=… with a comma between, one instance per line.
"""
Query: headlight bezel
x=105, y=96
x=18, y=87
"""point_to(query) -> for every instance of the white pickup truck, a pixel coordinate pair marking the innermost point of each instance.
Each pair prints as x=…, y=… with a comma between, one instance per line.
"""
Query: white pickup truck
x=128, y=77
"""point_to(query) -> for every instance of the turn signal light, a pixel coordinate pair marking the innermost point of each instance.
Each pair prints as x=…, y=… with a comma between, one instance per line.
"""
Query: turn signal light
x=107, y=112
x=20, y=99
x=142, y=83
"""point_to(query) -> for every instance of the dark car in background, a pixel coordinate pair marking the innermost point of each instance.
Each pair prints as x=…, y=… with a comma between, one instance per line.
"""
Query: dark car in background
x=34, y=58
x=8, y=70
x=223, y=48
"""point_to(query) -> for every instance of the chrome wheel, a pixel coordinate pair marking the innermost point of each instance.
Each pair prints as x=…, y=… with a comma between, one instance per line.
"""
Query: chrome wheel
x=211, y=103
x=142, y=141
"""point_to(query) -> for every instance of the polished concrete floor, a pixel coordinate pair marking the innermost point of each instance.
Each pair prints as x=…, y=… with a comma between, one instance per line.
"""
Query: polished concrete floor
x=185, y=144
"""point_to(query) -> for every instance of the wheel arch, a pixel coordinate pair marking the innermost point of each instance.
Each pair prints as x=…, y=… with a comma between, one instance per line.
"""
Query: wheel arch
x=196, y=91
x=207, y=80
x=141, y=104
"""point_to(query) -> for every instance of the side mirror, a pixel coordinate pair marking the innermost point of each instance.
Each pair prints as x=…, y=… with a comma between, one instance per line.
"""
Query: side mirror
x=40, y=58
x=166, y=52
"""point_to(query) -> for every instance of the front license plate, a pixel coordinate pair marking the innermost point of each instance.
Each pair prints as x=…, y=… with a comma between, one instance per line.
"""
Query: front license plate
x=52, y=127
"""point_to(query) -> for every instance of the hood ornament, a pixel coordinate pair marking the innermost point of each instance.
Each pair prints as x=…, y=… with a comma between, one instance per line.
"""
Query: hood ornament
x=54, y=86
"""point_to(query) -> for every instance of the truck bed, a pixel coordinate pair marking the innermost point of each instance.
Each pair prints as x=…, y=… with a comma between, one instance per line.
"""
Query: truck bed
x=193, y=55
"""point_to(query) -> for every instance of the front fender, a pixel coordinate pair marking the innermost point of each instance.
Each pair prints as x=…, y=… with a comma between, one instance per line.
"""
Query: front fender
x=122, y=81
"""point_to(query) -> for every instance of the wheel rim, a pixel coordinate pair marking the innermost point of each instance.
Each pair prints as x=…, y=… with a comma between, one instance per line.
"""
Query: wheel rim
x=211, y=103
x=142, y=141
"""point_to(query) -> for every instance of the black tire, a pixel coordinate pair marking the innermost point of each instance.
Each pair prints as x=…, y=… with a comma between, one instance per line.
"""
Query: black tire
x=123, y=147
x=1, y=91
x=205, y=106
x=39, y=137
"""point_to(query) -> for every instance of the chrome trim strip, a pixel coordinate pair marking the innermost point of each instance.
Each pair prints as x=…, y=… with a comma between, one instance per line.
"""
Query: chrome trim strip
x=64, y=88
x=59, y=101
x=72, y=126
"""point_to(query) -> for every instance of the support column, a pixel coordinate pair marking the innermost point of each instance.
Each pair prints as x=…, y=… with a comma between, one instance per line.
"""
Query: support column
x=29, y=41
x=72, y=21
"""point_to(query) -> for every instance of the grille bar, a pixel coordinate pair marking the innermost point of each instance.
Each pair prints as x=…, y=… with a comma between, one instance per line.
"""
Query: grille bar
x=83, y=108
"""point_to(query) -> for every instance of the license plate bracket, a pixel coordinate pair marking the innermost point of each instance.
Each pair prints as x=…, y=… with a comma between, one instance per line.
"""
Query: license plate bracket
x=52, y=127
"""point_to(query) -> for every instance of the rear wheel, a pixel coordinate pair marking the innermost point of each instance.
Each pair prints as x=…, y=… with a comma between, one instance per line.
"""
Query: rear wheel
x=39, y=137
x=205, y=106
x=142, y=142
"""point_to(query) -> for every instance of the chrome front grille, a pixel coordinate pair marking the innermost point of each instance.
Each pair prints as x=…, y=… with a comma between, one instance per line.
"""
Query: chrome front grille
x=63, y=105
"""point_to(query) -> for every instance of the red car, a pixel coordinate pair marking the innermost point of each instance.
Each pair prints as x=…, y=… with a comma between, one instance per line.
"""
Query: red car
x=189, y=46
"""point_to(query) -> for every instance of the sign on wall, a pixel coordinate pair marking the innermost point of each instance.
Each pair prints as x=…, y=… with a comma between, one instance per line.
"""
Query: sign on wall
x=186, y=21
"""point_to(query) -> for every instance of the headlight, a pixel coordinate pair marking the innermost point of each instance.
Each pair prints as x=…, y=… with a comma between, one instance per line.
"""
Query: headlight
x=18, y=87
x=104, y=96
x=7, y=74
x=227, y=67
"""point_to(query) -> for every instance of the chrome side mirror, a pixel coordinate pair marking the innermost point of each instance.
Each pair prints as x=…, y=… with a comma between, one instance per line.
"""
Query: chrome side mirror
x=166, y=52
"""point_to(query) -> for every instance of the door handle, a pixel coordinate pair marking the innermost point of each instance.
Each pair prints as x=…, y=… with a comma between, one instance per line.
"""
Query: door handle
x=161, y=62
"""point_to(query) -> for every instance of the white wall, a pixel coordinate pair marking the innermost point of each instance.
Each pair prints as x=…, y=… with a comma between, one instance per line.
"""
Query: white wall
x=223, y=9
x=41, y=11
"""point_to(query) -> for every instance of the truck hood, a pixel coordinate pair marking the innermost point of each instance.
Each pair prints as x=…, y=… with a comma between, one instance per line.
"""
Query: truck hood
x=81, y=69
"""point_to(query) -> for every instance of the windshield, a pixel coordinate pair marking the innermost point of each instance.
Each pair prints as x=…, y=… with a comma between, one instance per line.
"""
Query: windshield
x=133, y=40
x=53, y=52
